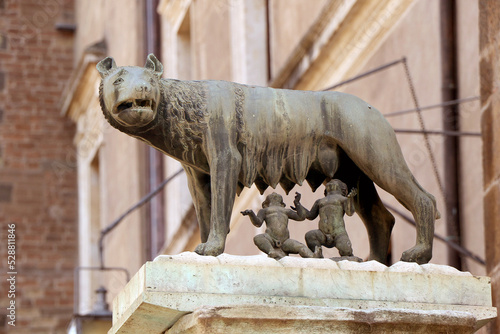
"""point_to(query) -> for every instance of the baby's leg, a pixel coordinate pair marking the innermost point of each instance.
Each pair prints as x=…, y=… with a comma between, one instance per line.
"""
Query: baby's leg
x=264, y=243
x=315, y=239
x=343, y=244
x=291, y=246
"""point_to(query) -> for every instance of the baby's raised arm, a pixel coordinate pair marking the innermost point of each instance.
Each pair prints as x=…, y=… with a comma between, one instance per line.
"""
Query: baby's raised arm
x=314, y=211
x=303, y=213
x=300, y=212
x=257, y=220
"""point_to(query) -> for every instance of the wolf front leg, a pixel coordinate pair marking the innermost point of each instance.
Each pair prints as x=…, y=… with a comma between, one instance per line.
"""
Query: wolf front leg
x=199, y=187
x=225, y=164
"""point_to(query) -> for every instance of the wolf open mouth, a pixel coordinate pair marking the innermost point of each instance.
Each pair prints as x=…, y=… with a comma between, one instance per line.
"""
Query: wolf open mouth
x=135, y=104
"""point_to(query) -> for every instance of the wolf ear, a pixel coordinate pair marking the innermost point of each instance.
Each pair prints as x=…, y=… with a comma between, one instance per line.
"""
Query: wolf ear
x=154, y=64
x=105, y=65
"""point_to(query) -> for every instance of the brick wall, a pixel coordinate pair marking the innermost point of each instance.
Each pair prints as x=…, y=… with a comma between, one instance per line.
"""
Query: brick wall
x=38, y=187
x=489, y=43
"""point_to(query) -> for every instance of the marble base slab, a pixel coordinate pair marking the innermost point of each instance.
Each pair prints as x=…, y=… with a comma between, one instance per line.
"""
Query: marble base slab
x=319, y=320
x=190, y=286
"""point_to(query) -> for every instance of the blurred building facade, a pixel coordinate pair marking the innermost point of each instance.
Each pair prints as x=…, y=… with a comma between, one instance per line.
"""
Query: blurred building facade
x=38, y=181
x=427, y=52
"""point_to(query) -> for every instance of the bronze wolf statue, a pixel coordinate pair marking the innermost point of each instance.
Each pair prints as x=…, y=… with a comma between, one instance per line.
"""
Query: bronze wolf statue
x=229, y=136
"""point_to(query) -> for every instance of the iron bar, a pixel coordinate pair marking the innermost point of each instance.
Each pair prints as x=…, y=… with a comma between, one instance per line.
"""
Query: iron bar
x=462, y=250
x=365, y=74
x=439, y=132
x=141, y=202
x=433, y=106
x=422, y=125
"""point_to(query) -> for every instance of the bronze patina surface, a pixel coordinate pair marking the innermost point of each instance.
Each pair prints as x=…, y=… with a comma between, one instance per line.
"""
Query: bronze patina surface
x=331, y=210
x=276, y=241
x=229, y=136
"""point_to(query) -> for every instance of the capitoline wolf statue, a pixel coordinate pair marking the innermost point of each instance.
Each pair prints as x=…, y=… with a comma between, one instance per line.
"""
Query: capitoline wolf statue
x=228, y=136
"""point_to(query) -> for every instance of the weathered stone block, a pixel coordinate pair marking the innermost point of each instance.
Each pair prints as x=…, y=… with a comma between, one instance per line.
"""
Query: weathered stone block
x=492, y=226
x=486, y=74
x=297, y=293
x=304, y=319
x=489, y=25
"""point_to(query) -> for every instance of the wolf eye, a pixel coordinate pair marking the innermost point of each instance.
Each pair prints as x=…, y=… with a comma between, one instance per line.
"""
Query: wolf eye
x=118, y=81
x=153, y=82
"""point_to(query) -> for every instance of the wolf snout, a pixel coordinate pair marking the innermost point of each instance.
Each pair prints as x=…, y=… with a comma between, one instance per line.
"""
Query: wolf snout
x=143, y=88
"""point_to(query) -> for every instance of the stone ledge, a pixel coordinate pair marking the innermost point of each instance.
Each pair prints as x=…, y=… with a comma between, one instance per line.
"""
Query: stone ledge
x=170, y=287
x=320, y=320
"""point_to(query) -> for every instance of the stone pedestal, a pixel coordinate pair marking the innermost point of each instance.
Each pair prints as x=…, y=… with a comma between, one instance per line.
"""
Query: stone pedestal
x=188, y=293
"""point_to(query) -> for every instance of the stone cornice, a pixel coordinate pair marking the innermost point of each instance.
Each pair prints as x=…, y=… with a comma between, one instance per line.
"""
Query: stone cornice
x=340, y=42
x=81, y=87
x=174, y=11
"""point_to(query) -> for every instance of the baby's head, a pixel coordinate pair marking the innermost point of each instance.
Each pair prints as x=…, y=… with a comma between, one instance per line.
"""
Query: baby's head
x=336, y=184
x=273, y=199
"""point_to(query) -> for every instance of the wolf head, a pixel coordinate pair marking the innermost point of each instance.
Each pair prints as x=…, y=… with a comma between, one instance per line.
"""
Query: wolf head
x=130, y=95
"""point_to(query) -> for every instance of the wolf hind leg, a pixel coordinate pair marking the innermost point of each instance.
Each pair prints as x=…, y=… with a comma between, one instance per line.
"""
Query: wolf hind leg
x=377, y=219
